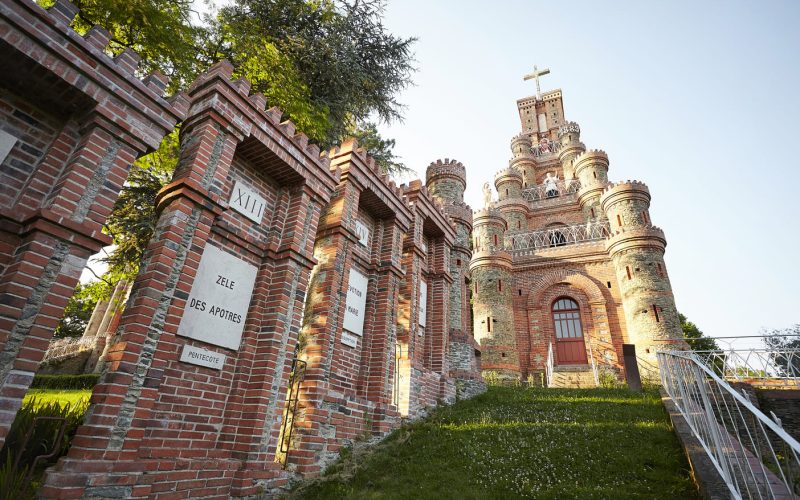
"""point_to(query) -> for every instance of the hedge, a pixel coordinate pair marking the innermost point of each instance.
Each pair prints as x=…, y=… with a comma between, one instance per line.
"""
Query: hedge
x=64, y=381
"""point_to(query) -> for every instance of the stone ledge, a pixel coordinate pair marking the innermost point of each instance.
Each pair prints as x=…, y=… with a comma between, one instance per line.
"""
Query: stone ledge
x=705, y=475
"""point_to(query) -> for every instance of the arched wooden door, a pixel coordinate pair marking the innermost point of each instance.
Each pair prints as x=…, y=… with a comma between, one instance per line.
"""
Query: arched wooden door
x=570, y=346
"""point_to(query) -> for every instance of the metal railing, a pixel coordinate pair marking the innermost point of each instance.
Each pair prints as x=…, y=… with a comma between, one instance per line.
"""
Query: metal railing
x=61, y=348
x=560, y=236
x=552, y=190
x=762, y=367
x=754, y=455
x=548, y=369
x=546, y=147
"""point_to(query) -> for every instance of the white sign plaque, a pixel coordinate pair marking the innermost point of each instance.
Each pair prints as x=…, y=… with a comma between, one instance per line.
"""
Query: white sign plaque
x=423, y=303
x=363, y=233
x=355, y=303
x=7, y=142
x=202, y=357
x=247, y=202
x=217, y=306
x=349, y=340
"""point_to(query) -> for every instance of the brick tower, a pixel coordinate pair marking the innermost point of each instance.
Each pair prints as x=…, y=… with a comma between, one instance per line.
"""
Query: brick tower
x=567, y=266
x=446, y=181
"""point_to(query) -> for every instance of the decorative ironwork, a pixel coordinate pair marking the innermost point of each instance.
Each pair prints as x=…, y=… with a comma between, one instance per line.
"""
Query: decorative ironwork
x=545, y=191
x=560, y=236
x=754, y=455
x=545, y=147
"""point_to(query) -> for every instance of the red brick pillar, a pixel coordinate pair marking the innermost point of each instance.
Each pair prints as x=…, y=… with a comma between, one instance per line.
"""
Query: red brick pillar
x=349, y=329
x=77, y=119
x=183, y=407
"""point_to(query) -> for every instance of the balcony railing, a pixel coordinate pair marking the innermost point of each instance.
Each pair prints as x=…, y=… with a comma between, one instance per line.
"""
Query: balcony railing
x=545, y=148
x=560, y=236
x=552, y=190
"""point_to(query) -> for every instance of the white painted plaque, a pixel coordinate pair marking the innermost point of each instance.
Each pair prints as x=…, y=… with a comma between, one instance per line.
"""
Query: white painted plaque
x=247, y=202
x=7, y=142
x=349, y=339
x=217, y=307
x=355, y=303
x=423, y=303
x=202, y=357
x=363, y=233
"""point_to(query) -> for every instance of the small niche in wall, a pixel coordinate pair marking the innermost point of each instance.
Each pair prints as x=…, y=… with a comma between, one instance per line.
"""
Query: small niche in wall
x=608, y=284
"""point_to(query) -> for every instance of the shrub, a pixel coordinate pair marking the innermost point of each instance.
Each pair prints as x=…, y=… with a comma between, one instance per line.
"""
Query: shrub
x=36, y=431
x=64, y=381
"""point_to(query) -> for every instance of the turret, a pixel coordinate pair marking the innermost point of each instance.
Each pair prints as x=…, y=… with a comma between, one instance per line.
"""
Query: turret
x=591, y=169
x=569, y=135
x=511, y=203
x=637, y=248
x=522, y=159
x=446, y=180
x=492, y=296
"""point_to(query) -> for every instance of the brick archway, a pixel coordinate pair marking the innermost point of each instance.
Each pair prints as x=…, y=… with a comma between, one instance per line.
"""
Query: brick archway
x=593, y=305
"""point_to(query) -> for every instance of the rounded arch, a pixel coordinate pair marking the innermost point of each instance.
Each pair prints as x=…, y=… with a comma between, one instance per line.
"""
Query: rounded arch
x=571, y=276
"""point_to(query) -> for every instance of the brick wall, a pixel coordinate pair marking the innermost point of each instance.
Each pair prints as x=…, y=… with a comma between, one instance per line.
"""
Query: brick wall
x=77, y=119
x=158, y=425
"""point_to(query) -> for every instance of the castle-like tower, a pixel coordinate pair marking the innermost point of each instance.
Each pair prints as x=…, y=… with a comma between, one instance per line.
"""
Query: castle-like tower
x=567, y=266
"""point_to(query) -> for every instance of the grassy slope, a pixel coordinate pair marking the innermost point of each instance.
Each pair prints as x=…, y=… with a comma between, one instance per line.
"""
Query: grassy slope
x=512, y=443
x=44, y=396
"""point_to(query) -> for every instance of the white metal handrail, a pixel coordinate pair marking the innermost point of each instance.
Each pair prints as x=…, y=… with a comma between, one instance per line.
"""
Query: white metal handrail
x=761, y=367
x=754, y=455
x=67, y=346
x=593, y=363
x=547, y=191
x=593, y=230
x=548, y=370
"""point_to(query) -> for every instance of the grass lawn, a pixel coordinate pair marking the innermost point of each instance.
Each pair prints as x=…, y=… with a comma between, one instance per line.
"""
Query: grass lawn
x=45, y=396
x=518, y=442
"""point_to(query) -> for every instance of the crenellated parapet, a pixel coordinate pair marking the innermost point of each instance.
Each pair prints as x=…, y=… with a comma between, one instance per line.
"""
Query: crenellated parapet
x=591, y=169
x=508, y=183
x=626, y=205
x=446, y=179
x=624, y=239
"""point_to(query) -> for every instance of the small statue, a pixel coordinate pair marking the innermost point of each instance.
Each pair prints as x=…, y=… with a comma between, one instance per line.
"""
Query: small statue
x=487, y=195
x=544, y=145
x=551, y=185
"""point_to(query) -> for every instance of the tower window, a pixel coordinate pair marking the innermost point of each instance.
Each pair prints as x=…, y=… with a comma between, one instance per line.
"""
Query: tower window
x=660, y=270
x=655, y=311
x=489, y=324
x=644, y=217
x=619, y=220
x=520, y=292
x=628, y=270
x=594, y=174
x=608, y=283
x=499, y=285
x=458, y=262
x=592, y=212
x=519, y=224
x=495, y=240
x=506, y=192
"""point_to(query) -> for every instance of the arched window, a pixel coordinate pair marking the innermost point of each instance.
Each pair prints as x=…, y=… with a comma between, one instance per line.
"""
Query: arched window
x=557, y=238
x=567, y=319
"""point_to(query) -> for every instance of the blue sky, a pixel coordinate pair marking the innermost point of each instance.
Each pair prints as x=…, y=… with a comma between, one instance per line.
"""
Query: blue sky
x=696, y=99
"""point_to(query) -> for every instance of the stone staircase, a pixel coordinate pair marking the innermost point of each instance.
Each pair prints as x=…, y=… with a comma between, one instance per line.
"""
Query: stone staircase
x=573, y=377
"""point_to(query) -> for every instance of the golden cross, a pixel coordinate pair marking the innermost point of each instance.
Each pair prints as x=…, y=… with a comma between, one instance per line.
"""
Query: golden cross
x=535, y=76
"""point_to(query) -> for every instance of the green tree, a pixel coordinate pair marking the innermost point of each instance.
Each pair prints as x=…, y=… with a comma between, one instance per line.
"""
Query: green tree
x=694, y=336
x=785, y=346
x=329, y=65
x=80, y=307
